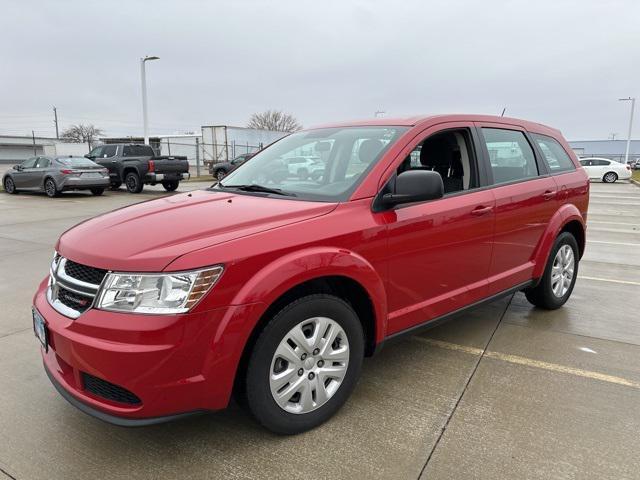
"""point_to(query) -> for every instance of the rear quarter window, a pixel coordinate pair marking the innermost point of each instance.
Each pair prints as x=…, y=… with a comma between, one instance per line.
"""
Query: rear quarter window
x=553, y=153
x=137, y=151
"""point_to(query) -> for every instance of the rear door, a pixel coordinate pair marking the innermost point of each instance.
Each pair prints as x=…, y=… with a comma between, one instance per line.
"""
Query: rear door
x=107, y=157
x=525, y=198
x=43, y=165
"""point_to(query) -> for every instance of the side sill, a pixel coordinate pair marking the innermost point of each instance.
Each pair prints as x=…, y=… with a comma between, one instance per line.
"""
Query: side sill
x=435, y=322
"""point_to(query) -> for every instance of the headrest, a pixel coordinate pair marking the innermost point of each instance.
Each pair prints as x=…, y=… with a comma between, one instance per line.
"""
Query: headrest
x=435, y=152
x=369, y=150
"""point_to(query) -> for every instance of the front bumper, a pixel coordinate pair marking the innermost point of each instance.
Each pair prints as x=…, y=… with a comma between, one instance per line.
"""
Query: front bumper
x=172, y=363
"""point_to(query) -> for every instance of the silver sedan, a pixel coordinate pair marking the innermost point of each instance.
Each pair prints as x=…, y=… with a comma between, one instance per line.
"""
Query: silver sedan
x=53, y=175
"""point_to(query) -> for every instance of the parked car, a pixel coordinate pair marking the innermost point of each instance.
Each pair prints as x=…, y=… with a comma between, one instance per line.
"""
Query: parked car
x=606, y=170
x=304, y=167
x=277, y=292
x=53, y=175
x=137, y=165
x=220, y=169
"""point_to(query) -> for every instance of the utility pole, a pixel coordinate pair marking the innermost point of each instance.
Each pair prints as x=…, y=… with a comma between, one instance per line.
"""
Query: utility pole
x=633, y=104
x=33, y=138
x=55, y=120
x=143, y=81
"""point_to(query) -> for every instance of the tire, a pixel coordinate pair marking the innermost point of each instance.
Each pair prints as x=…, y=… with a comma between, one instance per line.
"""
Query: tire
x=9, y=186
x=544, y=295
x=171, y=185
x=302, y=411
x=220, y=174
x=50, y=188
x=115, y=186
x=610, y=177
x=97, y=191
x=133, y=183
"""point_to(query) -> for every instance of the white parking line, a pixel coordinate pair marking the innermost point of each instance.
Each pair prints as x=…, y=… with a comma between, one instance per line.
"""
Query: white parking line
x=612, y=280
x=615, y=243
x=529, y=362
x=613, y=223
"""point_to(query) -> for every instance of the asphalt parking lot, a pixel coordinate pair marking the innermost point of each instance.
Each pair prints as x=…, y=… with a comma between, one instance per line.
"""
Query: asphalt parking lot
x=506, y=391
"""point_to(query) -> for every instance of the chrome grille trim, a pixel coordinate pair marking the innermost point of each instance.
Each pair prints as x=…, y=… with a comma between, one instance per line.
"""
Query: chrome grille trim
x=59, y=279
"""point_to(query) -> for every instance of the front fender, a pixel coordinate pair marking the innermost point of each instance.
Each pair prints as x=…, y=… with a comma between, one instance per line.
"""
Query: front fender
x=276, y=278
x=565, y=214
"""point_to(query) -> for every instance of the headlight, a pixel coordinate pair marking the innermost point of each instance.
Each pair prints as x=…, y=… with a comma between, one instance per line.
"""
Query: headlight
x=156, y=293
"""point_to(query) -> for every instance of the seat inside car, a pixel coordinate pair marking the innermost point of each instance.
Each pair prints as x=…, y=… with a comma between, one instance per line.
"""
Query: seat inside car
x=441, y=154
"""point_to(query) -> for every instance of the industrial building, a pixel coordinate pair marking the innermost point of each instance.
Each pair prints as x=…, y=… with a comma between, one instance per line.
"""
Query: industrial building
x=612, y=149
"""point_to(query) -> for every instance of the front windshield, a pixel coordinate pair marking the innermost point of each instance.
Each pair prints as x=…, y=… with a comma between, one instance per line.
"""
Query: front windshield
x=325, y=164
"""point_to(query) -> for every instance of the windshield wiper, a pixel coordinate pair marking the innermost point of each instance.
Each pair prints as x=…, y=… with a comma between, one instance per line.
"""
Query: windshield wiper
x=258, y=188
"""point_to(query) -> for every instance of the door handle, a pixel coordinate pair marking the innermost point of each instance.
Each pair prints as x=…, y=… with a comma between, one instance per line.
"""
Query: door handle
x=481, y=210
x=549, y=194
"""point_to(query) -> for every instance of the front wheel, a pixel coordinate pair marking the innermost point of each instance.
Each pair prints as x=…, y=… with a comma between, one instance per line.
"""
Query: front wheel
x=10, y=186
x=50, y=188
x=305, y=364
x=220, y=174
x=133, y=183
x=559, y=276
x=610, y=177
x=171, y=185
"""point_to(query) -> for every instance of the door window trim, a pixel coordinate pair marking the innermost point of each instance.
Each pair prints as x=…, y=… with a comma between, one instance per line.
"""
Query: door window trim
x=540, y=164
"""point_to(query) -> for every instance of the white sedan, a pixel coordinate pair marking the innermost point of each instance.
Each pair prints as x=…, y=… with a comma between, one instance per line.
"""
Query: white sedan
x=606, y=170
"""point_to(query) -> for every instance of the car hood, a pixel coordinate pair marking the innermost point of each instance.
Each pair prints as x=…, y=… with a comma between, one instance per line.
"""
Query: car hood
x=148, y=236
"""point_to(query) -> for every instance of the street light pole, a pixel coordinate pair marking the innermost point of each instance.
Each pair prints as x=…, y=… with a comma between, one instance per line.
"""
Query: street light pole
x=633, y=105
x=143, y=79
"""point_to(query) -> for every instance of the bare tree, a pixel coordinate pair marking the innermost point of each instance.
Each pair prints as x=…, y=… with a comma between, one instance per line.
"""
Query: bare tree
x=274, y=120
x=81, y=134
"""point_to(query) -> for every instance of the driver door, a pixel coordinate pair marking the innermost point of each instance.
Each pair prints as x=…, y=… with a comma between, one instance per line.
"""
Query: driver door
x=440, y=250
x=21, y=177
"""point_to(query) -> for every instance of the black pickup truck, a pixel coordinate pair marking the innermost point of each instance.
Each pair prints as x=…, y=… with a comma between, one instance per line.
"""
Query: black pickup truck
x=137, y=165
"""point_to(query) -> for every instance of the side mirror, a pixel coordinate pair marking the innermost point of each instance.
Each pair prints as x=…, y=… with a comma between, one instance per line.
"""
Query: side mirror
x=90, y=157
x=17, y=167
x=415, y=186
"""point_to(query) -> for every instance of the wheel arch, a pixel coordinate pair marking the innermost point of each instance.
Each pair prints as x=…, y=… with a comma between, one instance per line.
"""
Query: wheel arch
x=567, y=219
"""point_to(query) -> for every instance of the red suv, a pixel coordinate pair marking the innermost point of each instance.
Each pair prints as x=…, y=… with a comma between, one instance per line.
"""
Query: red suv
x=275, y=287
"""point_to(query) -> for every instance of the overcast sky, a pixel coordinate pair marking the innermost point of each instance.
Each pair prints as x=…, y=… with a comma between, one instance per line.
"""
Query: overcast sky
x=560, y=62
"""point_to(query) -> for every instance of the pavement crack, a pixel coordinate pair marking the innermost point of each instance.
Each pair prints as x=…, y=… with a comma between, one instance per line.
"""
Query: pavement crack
x=7, y=474
x=481, y=355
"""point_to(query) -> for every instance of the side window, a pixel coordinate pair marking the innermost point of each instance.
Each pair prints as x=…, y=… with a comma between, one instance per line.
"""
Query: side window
x=43, y=162
x=553, y=153
x=109, y=151
x=96, y=152
x=603, y=163
x=449, y=153
x=511, y=156
x=585, y=163
x=29, y=163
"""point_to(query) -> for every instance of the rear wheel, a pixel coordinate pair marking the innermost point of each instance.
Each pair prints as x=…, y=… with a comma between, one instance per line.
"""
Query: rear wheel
x=220, y=174
x=305, y=364
x=97, y=191
x=9, y=186
x=171, y=185
x=50, y=188
x=559, y=276
x=133, y=183
x=610, y=177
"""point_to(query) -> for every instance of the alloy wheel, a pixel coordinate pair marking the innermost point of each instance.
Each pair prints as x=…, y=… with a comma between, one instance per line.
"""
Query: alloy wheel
x=50, y=188
x=220, y=175
x=9, y=186
x=562, y=271
x=309, y=365
x=610, y=177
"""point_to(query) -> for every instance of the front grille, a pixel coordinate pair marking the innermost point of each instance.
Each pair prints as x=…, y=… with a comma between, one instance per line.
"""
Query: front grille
x=84, y=273
x=72, y=300
x=108, y=390
x=72, y=286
